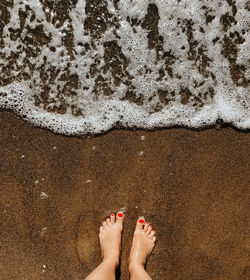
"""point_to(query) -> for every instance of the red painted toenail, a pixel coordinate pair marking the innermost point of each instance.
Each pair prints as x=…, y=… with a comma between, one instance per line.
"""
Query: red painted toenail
x=112, y=215
x=141, y=221
x=147, y=223
x=120, y=215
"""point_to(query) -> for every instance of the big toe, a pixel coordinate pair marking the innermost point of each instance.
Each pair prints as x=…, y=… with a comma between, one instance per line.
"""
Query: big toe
x=140, y=223
x=120, y=218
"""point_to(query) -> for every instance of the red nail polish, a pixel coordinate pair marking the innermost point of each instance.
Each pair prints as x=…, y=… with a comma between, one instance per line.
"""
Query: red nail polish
x=120, y=214
x=112, y=215
x=147, y=223
x=141, y=221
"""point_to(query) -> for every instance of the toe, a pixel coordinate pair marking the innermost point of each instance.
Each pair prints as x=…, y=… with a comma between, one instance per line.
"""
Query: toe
x=112, y=218
x=104, y=224
x=154, y=238
x=101, y=228
x=149, y=230
x=108, y=221
x=140, y=223
x=146, y=226
x=152, y=234
x=119, y=218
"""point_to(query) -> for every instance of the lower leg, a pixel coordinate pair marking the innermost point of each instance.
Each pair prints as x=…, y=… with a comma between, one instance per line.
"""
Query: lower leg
x=142, y=246
x=138, y=273
x=105, y=271
x=110, y=240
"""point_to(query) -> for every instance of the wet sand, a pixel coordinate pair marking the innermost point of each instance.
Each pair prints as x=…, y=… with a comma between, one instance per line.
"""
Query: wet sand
x=193, y=186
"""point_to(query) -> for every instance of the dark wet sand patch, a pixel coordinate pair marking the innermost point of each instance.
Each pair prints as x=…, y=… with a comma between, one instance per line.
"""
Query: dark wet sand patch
x=193, y=187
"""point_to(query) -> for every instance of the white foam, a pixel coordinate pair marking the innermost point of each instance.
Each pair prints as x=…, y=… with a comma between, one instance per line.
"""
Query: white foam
x=229, y=103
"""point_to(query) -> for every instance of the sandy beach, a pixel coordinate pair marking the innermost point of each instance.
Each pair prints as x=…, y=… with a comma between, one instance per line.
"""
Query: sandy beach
x=82, y=67
x=55, y=191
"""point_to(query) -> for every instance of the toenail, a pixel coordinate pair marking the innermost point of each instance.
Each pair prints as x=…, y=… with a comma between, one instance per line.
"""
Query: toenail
x=141, y=221
x=147, y=223
x=112, y=215
x=120, y=215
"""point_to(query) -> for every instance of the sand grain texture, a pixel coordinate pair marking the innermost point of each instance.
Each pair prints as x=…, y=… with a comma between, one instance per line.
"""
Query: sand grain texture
x=193, y=187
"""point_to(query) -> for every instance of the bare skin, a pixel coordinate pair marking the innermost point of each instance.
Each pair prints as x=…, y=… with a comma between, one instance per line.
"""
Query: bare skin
x=110, y=242
x=142, y=246
x=110, y=238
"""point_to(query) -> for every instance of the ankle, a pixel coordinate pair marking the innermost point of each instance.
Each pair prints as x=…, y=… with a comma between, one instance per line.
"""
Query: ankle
x=135, y=267
x=111, y=262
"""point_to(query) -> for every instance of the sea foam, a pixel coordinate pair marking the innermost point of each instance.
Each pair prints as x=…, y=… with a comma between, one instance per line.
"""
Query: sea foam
x=78, y=67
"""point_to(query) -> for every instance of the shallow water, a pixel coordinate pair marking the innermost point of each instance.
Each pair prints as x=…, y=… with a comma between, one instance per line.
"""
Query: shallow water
x=79, y=67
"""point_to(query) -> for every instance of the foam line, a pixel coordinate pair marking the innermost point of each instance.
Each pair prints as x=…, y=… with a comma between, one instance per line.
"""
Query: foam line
x=87, y=66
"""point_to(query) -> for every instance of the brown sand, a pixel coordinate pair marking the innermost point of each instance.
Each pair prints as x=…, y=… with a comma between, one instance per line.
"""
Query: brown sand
x=193, y=187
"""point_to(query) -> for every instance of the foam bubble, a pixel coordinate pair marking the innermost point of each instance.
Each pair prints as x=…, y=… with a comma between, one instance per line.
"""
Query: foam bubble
x=43, y=195
x=86, y=67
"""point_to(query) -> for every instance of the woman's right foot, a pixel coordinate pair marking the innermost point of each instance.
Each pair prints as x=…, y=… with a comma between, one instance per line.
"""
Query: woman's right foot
x=143, y=244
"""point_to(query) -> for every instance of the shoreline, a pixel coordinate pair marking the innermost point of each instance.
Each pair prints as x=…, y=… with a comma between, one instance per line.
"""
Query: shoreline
x=218, y=125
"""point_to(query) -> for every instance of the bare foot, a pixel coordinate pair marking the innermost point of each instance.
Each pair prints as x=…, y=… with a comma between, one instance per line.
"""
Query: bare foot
x=110, y=238
x=143, y=243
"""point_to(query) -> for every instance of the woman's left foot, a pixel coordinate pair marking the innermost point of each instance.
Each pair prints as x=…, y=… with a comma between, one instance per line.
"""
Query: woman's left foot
x=110, y=238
